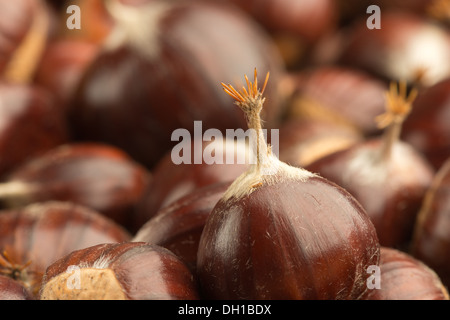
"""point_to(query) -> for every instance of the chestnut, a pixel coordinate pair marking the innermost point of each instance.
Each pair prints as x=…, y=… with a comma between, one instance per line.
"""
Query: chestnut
x=98, y=176
x=178, y=226
x=62, y=64
x=156, y=73
x=329, y=93
x=24, y=33
x=31, y=124
x=171, y=181
x=427, y=127
x=295, y=25
x=16, y=22
x=11, y=289
x=121, y=271
x=385, y=166
x=403, y=277
x=35, y=236
x=302, y=141
x=407, y=47
x=431, y=240
x=282, y=232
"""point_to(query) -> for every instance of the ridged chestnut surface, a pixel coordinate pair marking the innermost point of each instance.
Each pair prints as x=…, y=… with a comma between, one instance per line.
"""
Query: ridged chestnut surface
x=123, y=271
x=403, y=277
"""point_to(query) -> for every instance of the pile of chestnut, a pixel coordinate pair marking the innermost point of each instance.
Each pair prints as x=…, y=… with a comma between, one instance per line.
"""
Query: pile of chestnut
x=348, y=199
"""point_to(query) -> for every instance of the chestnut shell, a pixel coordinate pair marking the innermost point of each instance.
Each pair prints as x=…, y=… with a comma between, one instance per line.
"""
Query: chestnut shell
x=404, y=277
x=391, y=190
x=145, y=271
x=95, y=175
x=178, y=226
x=135, y=98
x=292, y=240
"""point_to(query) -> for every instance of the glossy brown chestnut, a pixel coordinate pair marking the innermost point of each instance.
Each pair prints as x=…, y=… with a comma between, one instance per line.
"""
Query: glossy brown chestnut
x=295, y=25
x=431, y=241
x=281, y=232
x=427, y=126
x=11, y=289
x=158, y=72
x=63, y=64
x=95, y=175
x=123, y=271
x=402, y=277
x=172, y=181
x=340, y=95
x=16, y=20
x=35, y=236
x=178, y=226
x=406, y=47
x=303, y=141
x=389, y=177
x=31, y=124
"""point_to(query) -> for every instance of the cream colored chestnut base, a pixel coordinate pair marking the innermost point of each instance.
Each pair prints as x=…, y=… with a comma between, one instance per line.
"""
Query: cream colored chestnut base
x=84, y=284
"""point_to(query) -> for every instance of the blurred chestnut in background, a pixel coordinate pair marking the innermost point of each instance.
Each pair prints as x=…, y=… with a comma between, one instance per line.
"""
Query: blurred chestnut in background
x=389, y=177
x=161, y=69
x=35, y=236
x=31, y=124
x=302, y=140
x=338, y=94
x=11, y=289
x=428, y=126
x=178, y=226
x=295, y=25
x=431, y=241
x=62, y=65
x=95, y=175
x=402, y=277
x=407, y=47
x=123, y=271
x=172, y=181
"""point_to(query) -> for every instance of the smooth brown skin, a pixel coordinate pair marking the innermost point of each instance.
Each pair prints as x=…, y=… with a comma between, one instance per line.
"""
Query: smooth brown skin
x=13, y=290
x=426, y=128
x=145, y=271
x=431, y=242
x=96, y=175
x=342, y=95
x=292, y=240
x=15, y=21
x=31, y=124
x=393, y=202
x=152, y=98
x=405, y=278
x=178, y=227
x=370, y=50
x=307, y=20
x=170, y=182
x=46, y=232
x=63, y=64
x=305, y=140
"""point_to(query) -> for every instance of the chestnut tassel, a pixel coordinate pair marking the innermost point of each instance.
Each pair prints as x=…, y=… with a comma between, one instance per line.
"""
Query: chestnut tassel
x=281, y=232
